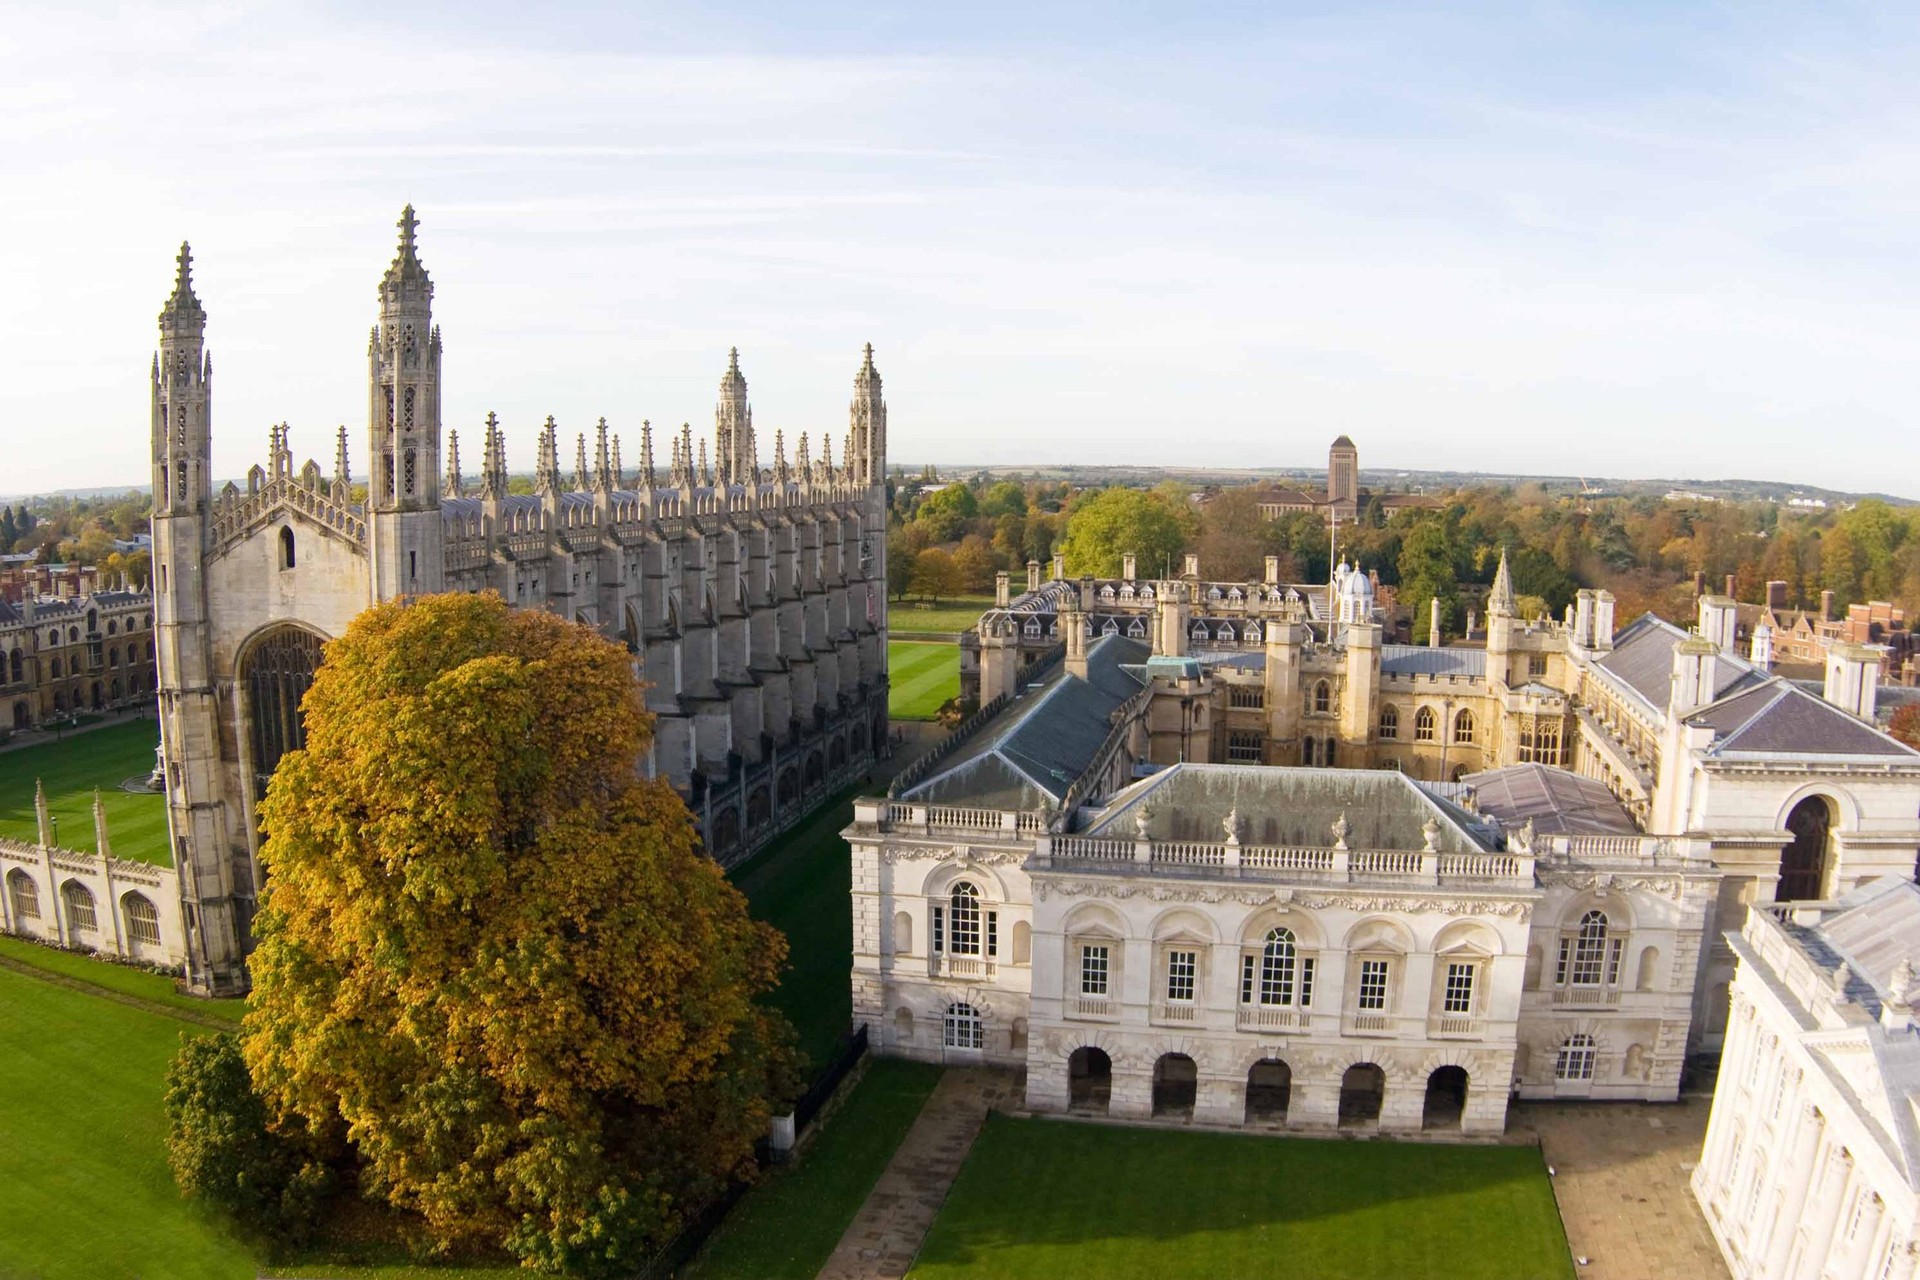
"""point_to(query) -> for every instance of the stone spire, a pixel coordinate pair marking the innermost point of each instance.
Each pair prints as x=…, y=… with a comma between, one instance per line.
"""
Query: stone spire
x=1500, y=601
x=602, y=464
x=581, y=484
x=826, y=456
x=546, y=469
x=683, y=479
x=40, y=813
x=100, y=845
x=802, y=461
x=619, y=472
x=867, y=452
x=706, y=472
x=649, y=479
x=406, y=268
x=493, y=462
x=183, y=313
x=342, y=481
x=779, y=456
x=454, y=487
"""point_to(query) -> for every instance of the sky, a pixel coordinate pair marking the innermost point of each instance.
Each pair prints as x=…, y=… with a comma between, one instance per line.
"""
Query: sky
x=1660, y=240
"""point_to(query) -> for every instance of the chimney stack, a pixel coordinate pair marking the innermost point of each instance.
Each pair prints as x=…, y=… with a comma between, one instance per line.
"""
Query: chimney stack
x=1826, y=606
x=1002, y=590
x=1273, y=571
x=1074, y=630
x=1129, y=566
x=1776, y=594
x=1853, y=677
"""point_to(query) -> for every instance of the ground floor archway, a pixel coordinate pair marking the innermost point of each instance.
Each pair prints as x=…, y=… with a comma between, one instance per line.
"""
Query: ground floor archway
x=1269, y=1090
x=1176, y=1082
x=1362, y=1089
x=1089, y=1080
x=1446, y=1098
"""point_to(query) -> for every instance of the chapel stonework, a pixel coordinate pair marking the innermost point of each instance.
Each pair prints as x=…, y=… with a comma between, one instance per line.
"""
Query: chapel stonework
x=751, y=596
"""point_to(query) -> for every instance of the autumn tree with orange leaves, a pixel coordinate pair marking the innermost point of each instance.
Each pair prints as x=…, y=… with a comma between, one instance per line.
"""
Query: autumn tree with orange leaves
x=492, y=959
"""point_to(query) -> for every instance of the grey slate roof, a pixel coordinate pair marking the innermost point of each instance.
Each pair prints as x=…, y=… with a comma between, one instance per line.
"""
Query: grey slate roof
x=1753, y=713
x=1423, y=660
x=1044, y=741
x=1874, y=928
x=1558, y=803
x=1293, y=807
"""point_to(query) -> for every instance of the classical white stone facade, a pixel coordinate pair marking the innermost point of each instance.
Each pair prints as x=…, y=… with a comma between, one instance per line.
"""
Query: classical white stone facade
x=1602, y=803
x=1811, y=1166
x=752, y=597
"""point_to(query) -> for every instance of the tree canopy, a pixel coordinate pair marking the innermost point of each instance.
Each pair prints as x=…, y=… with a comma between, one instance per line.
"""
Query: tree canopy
x=492, y=956
x=1113, y=522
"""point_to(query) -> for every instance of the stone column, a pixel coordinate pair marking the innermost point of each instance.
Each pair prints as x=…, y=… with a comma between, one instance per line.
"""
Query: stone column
x=1826, y=1204
x=1314, y=1102
x=1798, y=1174
x=1132, y=1096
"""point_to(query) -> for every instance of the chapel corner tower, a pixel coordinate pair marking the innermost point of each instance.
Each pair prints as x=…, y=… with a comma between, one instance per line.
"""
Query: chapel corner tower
x=403, y=416
x=215, y=889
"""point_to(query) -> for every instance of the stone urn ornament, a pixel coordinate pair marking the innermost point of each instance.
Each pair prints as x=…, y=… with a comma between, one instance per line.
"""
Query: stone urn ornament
x=1340, y=830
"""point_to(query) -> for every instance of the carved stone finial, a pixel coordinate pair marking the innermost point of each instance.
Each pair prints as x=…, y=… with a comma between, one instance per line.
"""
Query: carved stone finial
x=1341, y=829
x=1142, y=820
x=1232, y=824
x=1430, y=832
x=1839, y=978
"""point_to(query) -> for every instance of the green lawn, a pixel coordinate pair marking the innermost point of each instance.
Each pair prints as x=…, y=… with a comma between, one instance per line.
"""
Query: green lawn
x=948, y=616
x=787, y=1226
x=88, y=1191
x=921, y=677
x=70, y=769
x=1070, y=1201
x=154, y=987
x=802, y=885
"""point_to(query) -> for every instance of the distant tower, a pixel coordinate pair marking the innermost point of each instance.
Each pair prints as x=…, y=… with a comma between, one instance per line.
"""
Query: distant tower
x=1343, y=479
x=735, y=453
x=191, y=732
x=403, y=359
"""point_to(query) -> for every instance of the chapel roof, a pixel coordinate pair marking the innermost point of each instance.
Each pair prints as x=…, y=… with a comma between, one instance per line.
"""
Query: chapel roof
x=1425, y=660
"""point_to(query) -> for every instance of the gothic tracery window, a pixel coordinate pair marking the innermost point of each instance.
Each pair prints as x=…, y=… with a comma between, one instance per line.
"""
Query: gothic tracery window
x=1423, y=724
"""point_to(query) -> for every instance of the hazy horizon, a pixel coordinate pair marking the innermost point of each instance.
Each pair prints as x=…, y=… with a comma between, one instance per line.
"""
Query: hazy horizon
x=1649, y=242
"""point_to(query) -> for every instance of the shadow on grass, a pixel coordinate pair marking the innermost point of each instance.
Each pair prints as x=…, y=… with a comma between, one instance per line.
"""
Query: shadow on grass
x=1064, y=1200
x=802, y=885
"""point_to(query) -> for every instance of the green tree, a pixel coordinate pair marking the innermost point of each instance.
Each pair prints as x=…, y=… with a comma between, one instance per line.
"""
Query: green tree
x=899, y=564
x=1113, y=522
x=1007, y=498
x=946, y=513
x=935, y=576
x=1427, y=573
x=222, y=1150
x=973, y=563
x=498, y=957
x=1236, y=539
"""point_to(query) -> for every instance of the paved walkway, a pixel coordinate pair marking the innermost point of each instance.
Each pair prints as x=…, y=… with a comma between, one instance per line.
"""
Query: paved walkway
x=885, y=1236
x=1620, y=1175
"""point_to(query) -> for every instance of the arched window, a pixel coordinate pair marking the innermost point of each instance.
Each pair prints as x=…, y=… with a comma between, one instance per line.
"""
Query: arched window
x=143, y=921
x=1588, y=957
x=54, y=667
x=1389, y=722
x=113, y=656
x=1803, y=863
x=1575, y=1059
x=962, y=1028
x=962, y=926
x=286, y=546
x=1423, y=725
x=1322, y=698
x=1463, y=726
x=1279, y=969
x=25, y=895
x=78, y=900
x=14, y=666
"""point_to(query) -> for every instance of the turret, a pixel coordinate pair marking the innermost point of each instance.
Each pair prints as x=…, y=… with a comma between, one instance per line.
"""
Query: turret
x=867, y=454
x=403, y=360
x=182, y=403
x=735, y=452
